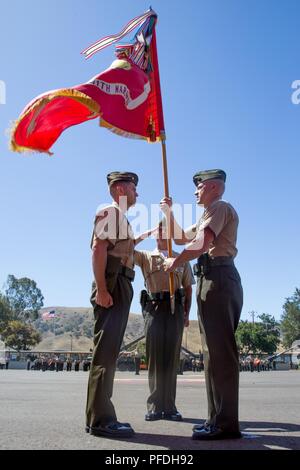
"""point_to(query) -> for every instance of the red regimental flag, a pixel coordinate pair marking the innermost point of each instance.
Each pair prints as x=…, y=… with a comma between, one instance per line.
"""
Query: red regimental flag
x=123, y=94
x=126, y=97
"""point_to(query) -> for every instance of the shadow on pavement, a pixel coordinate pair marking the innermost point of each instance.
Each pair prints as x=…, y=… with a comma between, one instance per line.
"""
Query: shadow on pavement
x=256, y=436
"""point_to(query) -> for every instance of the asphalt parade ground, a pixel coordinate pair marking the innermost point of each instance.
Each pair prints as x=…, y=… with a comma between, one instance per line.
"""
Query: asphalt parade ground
x=45, y=410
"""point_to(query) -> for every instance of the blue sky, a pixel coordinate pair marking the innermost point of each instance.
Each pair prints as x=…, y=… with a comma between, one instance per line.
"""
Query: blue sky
x=226, y=72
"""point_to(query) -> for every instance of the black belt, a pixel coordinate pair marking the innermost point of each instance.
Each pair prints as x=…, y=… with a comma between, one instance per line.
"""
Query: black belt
x=160, y=296
x=127, y=272
x=205, y=263
x=221, y=261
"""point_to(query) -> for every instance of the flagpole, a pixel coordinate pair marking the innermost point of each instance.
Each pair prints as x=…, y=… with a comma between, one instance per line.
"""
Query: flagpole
x=169, y=239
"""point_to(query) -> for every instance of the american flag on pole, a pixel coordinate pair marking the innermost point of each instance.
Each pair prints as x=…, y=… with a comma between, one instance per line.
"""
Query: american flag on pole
x=49, y=315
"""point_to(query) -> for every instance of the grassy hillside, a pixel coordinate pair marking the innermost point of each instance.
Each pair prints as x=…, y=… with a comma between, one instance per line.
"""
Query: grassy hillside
x=78, y=322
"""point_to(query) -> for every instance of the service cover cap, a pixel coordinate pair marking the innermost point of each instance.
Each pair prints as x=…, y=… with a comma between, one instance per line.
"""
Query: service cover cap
x=209, y=175
x=122, y=176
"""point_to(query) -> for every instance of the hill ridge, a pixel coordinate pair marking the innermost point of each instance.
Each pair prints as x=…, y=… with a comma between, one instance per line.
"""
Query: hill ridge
x=72, y=328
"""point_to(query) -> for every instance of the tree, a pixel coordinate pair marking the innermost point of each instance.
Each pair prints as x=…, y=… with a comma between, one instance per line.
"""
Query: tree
x=290, y=319
x=19, y=336
x=24, y=297
x=259, y=337
x=5, y=311
x=270, y=336
x=246, y=337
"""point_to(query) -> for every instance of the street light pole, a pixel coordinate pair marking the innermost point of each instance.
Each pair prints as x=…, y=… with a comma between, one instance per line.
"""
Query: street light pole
x=252, y=314
x=71, y=342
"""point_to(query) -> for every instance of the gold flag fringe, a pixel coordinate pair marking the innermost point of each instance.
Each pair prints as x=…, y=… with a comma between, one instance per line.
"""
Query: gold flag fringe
x=130, y=135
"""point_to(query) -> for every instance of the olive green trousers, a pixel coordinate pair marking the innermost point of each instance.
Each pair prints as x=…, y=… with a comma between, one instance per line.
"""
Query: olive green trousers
x=163, y=331
x=109, y=329
x=220, y=300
